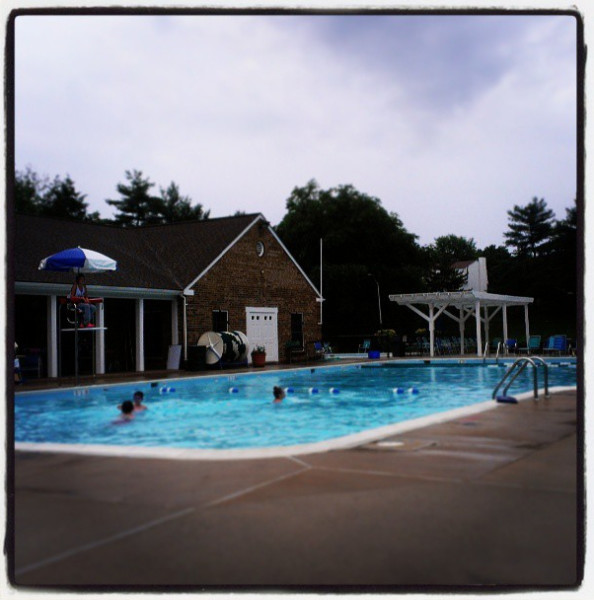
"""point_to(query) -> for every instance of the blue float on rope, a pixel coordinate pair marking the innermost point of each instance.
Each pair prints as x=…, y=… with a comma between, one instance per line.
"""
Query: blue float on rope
x=233, y=390
x=314, y=390
x=398, y=390
x=413, y=390
x=334, y=391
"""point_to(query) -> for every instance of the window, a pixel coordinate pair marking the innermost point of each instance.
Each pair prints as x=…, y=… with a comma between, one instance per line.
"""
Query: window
x=297, y=328
x=220, y=320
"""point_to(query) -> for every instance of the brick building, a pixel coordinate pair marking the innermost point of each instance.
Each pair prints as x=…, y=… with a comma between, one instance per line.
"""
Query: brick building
x=173, y=283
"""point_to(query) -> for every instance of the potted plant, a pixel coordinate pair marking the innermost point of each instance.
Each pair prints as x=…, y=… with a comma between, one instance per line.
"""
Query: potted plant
x=259, y=356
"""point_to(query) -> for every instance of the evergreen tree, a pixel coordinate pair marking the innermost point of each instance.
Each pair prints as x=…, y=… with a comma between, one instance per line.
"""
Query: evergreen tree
x=530, y=228
x=137, y=207
x=61, y=199
x=442, y=276
x=28, y=191
x=175, y=207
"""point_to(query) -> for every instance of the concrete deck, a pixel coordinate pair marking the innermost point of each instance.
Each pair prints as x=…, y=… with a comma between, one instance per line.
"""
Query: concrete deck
x=492, y=499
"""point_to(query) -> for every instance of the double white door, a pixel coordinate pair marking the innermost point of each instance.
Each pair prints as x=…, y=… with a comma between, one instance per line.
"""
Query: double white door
x=262, y=330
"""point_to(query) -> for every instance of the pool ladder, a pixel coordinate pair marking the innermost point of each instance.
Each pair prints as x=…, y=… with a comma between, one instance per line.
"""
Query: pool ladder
x=514, y=371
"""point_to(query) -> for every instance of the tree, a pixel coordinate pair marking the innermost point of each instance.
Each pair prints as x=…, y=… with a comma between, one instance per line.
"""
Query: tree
x=61, y=199
x=137, y=207
x=359, y=238
x=530, y=228
x=28, y=191
x=441, y=255
x=175, y=207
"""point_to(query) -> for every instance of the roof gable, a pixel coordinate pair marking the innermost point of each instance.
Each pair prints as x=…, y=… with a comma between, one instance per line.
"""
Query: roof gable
x=158, y=257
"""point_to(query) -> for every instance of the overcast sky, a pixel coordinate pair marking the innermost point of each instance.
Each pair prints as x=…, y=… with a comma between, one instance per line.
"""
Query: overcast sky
x=449, y=120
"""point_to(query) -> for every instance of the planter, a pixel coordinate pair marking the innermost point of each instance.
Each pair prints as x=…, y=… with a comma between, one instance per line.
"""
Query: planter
x=258, y=359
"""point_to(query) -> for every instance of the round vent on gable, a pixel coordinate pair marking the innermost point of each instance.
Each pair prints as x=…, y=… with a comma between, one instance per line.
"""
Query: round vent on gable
x=260, y=249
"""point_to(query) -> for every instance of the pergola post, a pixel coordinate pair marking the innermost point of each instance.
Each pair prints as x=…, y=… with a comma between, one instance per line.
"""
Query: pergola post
x=505, y=334
x=431, y=331
x=462, y=324
x=487, y=339
x=479, y=340
x=527, y=323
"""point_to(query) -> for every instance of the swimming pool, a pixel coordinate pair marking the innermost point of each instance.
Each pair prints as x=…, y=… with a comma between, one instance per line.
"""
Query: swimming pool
x=236, y=411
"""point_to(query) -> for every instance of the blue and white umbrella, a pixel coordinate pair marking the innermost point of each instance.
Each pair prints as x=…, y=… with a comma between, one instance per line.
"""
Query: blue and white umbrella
x=78, y=259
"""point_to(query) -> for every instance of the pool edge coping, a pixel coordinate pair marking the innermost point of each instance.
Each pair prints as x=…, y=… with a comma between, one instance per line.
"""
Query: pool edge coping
x=340, y=443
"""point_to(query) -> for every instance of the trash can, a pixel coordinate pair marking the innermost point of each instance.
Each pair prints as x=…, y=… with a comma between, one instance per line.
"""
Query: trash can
x=196, y=358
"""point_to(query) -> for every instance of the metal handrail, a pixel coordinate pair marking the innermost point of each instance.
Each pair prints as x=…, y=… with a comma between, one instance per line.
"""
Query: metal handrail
x=523, y=363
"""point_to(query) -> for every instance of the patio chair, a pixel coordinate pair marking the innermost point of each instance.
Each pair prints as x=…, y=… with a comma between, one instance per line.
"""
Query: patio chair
x=511, y=346
x=533, y=346
x=424, y=345
x=556, y=344
x=364, y=346
x=495, y=344
x=318, y=350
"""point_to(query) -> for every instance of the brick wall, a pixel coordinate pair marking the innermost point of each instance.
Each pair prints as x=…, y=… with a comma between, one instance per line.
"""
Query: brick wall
x=242, y=278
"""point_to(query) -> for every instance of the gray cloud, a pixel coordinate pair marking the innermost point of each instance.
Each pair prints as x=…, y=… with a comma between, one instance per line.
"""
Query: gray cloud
x=449, y=120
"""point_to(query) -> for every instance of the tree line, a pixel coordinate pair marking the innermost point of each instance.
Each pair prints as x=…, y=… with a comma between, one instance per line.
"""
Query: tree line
x=365, y=249
x=137, y=205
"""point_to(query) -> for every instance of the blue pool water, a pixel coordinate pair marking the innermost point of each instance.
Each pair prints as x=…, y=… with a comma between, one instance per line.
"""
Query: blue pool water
x=236, y=411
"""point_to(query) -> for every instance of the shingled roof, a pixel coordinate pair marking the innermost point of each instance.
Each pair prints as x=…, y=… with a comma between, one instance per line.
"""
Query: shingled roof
x=165, y=257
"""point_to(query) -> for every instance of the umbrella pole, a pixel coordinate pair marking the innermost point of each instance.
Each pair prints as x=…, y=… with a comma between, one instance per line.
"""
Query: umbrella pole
x=76, y=338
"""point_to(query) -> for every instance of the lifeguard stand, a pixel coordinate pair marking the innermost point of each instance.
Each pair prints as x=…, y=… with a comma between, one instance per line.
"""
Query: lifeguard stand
x=73, y=324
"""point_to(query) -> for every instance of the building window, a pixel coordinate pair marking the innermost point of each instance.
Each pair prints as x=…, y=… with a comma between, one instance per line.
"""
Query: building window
x=220, y=320
x=297, y=329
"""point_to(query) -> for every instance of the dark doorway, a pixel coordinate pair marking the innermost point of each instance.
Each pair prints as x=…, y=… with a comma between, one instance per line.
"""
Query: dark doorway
x=30, y=318
x=120, y=339
x=157, y=333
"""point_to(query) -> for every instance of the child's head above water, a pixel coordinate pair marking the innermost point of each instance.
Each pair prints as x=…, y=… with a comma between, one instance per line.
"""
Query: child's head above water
x=127, y=407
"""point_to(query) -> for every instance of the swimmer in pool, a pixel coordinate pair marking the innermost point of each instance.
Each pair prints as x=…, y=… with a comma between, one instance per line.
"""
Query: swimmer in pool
x=138, y=398
x=127, y=409
x=137, y=404
x=279, y=394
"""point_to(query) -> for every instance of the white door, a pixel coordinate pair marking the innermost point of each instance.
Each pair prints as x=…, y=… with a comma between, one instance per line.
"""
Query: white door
x=262, y=330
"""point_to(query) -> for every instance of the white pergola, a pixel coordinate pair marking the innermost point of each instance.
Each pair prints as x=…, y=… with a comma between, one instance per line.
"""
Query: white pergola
x=482, y=305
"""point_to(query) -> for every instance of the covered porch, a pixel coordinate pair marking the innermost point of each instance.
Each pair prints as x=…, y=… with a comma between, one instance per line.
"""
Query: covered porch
x=134, y=328
x=461, y=306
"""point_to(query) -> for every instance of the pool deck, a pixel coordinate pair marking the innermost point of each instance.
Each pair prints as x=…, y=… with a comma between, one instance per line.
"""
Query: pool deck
x=491, y=499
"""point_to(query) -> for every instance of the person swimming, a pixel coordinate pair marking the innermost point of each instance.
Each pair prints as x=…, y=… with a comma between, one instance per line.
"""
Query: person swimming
x=279, y=394
x=127, y=412
x=138, y=398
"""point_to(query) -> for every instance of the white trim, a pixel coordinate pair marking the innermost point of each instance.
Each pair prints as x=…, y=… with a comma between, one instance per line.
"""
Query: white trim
x=174, y=323
x=52, y=336
x=295, y=263
x=261, y=309
x=187, y=290
x=100, y=340
x=61, y=289
x=139, y=334
x=460, y=299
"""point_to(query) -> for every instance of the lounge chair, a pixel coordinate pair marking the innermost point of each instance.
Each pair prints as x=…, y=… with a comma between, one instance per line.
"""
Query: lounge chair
x=365, y=346
x=533, y=346
x=557, y=344
x=511, y=346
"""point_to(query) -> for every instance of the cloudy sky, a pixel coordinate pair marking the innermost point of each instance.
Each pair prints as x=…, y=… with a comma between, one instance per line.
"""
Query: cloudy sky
x=449, y=120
